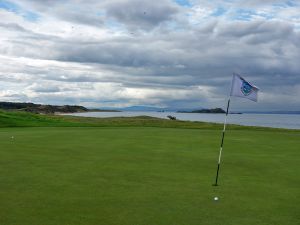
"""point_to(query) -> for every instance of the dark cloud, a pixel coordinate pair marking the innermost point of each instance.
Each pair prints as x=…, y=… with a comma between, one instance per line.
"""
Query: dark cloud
x=206, y=55
x=141, y=14
x=84, y=17
x=14, y=27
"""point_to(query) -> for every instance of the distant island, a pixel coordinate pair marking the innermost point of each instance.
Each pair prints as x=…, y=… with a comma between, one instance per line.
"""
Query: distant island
x=47, y=109
x=215, y=110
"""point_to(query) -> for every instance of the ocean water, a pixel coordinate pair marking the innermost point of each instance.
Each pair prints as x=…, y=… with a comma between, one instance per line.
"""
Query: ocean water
x=290, y=121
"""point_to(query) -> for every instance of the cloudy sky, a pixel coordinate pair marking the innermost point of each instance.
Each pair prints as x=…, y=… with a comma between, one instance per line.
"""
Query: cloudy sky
x=167, y=53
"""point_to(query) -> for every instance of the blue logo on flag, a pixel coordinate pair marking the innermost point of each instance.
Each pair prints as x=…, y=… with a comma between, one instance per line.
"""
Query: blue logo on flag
x=246, y=88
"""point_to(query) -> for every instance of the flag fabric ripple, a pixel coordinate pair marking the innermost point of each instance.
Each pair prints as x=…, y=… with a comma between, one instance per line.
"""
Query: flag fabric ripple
x=242, y=88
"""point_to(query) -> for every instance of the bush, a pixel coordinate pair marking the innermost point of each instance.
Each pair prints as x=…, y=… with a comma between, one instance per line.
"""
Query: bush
x=171, y=117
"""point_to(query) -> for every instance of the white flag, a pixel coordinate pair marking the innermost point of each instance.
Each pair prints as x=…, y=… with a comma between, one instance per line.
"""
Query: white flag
x=241, y=88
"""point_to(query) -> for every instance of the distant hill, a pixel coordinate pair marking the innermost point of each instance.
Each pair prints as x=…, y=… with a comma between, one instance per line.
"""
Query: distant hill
x=42, y=109
x=141, y=108
x=215, y=110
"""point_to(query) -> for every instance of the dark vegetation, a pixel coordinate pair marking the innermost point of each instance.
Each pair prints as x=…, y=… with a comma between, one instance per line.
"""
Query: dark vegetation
x=43, y=109
x=171, y=117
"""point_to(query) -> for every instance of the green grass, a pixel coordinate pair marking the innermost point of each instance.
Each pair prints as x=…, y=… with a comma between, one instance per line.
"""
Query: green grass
x=143, y=174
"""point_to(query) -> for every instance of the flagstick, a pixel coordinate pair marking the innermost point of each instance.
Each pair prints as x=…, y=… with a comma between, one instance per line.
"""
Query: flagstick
x=221, y=148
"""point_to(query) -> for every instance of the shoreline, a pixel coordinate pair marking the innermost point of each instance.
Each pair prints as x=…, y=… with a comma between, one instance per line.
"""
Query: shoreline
x=216, y=118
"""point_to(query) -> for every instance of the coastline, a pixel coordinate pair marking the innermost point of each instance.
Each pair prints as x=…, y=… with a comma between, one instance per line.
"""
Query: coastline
x=258, y=120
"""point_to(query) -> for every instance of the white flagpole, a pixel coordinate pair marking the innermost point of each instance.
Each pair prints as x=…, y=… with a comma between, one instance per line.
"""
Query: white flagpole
x=222, y=141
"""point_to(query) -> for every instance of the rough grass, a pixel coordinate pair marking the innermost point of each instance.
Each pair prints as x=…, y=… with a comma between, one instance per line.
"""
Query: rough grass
x=24, y=119
x=132, y=174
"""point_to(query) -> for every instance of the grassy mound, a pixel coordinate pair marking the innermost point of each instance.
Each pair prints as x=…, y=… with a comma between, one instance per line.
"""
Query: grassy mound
x=25, y=119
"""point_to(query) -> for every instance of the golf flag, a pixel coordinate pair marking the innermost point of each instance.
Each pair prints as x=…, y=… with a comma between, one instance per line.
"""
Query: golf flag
x=242, y=88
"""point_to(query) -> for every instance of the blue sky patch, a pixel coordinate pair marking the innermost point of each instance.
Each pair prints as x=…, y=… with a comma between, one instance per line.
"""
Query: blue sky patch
x=11, y=7
x=185, y=3
x=219, y=12
x=30, y=16
x=243, y=14
x=292, y=3
x=286, y=4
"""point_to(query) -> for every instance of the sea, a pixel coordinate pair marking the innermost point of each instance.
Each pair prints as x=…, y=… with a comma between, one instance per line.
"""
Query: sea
x=289, y=121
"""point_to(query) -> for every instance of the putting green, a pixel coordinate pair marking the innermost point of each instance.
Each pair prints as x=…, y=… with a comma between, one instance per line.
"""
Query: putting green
x=148, y=176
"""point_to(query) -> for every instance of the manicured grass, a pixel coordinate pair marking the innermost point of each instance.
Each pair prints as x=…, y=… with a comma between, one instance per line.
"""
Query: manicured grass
x=135, y=175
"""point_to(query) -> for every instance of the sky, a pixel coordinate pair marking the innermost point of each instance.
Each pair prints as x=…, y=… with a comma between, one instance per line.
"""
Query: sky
x=167, y=53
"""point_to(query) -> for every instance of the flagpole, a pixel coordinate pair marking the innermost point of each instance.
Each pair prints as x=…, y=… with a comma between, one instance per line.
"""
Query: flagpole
x=222, y=141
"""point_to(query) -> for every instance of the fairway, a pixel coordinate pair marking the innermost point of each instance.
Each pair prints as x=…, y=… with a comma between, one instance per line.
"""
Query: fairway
x=148, y=176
